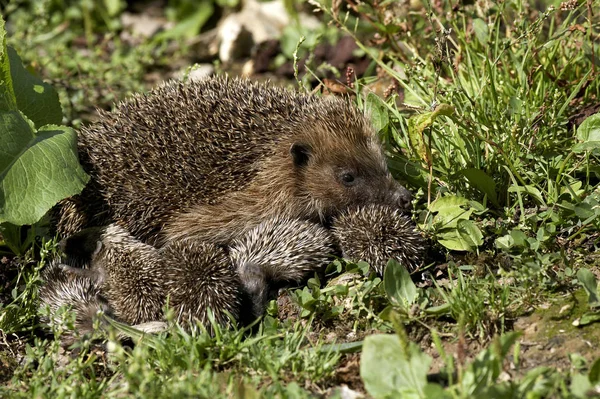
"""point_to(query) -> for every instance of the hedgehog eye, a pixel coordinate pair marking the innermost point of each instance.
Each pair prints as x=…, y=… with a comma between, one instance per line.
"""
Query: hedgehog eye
x=348, y=179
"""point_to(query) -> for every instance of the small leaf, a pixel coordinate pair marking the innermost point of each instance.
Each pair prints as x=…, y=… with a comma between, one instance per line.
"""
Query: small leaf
x=438, y=310
x=348, y=347
x=580, y=386
x=589, y=133
x=483, y=182
x=389, y=370
x=505, y=242
x=378, y=111
x=481, y=30
x=399, y=287
x=588, y=280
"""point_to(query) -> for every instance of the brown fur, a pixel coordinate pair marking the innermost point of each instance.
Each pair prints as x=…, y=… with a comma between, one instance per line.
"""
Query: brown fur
x=209, y=160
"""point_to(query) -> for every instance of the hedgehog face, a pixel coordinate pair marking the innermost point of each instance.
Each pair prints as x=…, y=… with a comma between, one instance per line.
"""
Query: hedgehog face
x=335, y=180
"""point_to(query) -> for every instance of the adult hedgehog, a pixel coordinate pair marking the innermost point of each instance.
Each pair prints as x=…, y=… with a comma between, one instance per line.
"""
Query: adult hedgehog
x=210, y=160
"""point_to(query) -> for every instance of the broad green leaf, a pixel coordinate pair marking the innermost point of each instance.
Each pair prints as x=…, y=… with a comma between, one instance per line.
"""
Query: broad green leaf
x=519, y=238
x=450, y=209
x=389, y=369
x=584, y=211
x=465, y=237
x=580, y=386
x=378, y=111
x=416, y=125
x=589, y=283
x=36, y=99
x=505, y=242
x=8, y=102
x=483, y=182
x=589, y=133
x=399, y=287
x=37, y=169
x=481, y=30
x=470, y=232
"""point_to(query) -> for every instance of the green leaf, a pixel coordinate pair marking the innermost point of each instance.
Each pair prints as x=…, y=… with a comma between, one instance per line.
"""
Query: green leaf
x=487, y=366
x=580, y=385
x=594, y=374
x=388, y=369
x=36, y=99
x=505, y=242
x=588, y=280
x=114, y=7
x=347, y=347
x=483, y=182
x=589, y=318
x=438, y=310
x=450, y=210
x=399, y=287
x=481, y=30
x=37, y=169
x=378, y=111
x=519, y=238
x=191, y=25
x=470, y=232
x=417, y=125
x=531, y=190
x=589, y=133
x=8, y=102
x=465, y=237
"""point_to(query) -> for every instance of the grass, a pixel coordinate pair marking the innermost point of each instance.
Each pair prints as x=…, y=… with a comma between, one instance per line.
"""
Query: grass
x=481, y=122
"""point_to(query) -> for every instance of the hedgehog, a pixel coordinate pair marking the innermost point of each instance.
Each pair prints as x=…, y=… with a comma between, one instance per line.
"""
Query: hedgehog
x=376, y=233
x=210, y=160
x=199, y=276
x=79, y=293
x=277, y=252
x=137, y=278
x=127, y=271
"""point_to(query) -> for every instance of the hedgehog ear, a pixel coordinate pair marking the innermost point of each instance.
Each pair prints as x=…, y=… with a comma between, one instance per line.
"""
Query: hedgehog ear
x=300, y=153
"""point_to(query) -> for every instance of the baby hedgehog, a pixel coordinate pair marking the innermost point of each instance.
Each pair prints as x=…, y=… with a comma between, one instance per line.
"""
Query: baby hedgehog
x=377, y=233
x=197, y=277
x=277, y=252
x=137, y=278
x=210, y=160
x=77, y=292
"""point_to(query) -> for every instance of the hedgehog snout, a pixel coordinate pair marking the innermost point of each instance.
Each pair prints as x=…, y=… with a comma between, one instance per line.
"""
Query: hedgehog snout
x=402, y=197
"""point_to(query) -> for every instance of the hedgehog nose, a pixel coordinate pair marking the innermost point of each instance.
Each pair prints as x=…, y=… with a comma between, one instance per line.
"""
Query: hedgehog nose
x=402, y=197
